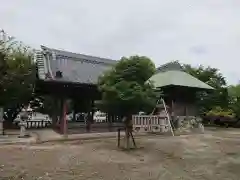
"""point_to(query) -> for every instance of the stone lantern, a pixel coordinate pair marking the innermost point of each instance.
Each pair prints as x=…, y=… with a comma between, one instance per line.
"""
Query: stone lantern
x=23, y=123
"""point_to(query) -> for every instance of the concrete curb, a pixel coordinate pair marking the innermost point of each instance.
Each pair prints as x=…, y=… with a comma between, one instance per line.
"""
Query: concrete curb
x=65, y=139
x=36, y=139
x=18, y=141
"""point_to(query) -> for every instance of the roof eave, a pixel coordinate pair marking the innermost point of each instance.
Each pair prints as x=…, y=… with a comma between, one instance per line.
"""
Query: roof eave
x=66, y=82
x=193, y=87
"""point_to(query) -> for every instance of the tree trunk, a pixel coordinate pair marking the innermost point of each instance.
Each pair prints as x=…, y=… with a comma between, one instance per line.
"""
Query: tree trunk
x=127, y=138
x=1, y=121
x=128, y=129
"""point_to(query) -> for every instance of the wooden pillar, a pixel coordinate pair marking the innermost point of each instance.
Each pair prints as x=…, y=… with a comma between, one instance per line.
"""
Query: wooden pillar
x=175, y=121
x=92, y=110
x=89, y=118
x=63, y=117
x=88, y=125
x=109, y=120
x=74, y=110
x=186, y=110
x=172, y=109
x=74, y=115
x=55, y=113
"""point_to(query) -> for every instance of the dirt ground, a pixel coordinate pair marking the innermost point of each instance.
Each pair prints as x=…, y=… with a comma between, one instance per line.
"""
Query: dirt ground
x=213, y=155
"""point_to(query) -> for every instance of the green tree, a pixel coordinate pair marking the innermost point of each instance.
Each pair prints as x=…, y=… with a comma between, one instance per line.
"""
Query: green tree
x=125, y=89
x=17, y=76
x=234, y=99
x=209, y=75
x=212, y=77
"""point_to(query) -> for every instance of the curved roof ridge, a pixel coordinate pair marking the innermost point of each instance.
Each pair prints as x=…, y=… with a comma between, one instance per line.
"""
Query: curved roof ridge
x=80, y=57
x=174, y=66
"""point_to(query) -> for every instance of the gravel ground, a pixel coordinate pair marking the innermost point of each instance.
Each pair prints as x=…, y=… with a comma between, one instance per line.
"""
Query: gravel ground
x=213, y=155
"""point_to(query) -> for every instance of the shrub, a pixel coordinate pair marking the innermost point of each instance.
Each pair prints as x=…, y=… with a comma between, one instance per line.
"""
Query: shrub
x=218, y=111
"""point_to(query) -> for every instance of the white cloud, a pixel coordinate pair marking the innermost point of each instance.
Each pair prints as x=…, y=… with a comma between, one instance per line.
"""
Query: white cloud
x=198, y=32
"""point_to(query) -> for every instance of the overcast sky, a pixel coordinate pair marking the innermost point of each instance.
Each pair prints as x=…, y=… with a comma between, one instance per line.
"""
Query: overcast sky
x=192, y=31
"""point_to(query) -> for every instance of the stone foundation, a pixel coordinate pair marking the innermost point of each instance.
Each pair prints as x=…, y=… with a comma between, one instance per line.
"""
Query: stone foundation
x=188, y=124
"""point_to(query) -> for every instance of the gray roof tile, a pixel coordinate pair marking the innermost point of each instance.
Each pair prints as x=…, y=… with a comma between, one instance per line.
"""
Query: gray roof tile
x=76, y=68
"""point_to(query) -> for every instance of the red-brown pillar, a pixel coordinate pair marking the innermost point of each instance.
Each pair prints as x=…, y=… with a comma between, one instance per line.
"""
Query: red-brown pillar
x=55, y=112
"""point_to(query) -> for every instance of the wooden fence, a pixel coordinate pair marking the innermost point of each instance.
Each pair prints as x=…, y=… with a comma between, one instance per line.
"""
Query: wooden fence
x=37, y=124
x=150, y=123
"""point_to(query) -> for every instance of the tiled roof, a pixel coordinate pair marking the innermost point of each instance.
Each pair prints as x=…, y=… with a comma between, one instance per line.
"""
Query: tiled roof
x=75, y=68
x=173, y=74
